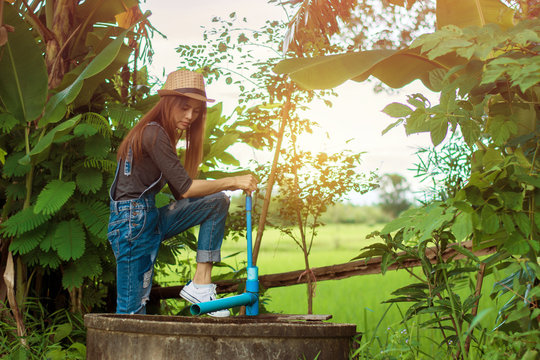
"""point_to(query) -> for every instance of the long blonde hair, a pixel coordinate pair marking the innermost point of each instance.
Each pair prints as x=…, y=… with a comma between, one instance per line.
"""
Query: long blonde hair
x=161, y=113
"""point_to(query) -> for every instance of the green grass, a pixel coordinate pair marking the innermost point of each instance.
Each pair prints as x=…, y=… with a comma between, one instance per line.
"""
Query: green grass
x=357, y=300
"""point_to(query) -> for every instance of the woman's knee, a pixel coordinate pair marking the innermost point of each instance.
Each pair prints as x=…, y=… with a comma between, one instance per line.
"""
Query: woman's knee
x=222, y=201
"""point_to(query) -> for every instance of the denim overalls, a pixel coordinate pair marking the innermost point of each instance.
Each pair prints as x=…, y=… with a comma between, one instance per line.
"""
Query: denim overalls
x=137, y=228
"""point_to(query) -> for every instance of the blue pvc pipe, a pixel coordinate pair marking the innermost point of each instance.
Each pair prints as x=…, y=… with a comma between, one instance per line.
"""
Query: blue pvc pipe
x=224, y=303
x=248, y=232
x=249, y=299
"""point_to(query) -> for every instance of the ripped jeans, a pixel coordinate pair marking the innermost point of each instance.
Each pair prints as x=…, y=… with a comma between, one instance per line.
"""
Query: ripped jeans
x=137, y=228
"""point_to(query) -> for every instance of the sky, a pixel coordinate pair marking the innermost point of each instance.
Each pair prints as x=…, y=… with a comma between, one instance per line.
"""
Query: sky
x=356, y=113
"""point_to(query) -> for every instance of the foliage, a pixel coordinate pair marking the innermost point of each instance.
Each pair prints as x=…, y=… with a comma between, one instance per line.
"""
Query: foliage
x=487, y=77
x=446, y=168
x=367, y=24
x=56, y=335
x=308, y=185
x=57, y=139
x=494, y=103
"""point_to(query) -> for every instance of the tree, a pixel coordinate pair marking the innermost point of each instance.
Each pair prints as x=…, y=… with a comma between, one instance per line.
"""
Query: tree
x=393, y=190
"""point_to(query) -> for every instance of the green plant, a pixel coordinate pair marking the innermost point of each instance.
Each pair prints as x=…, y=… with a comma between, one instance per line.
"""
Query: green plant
x=56, y=335
x=308, y=185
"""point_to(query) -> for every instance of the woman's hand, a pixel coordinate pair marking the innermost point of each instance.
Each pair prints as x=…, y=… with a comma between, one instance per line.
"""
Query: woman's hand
x=248, y=183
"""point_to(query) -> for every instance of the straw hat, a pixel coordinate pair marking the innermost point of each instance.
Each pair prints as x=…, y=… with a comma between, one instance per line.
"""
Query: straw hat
x=185, y=83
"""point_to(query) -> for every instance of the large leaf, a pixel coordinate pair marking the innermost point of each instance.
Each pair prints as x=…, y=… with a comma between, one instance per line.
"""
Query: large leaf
x=396, y=68
x=53, y=111
x=94, y=216
x=465, y=13
x=28, y=241
x=55, y=194
x=42, y=147
x=23, y=75
x=92, y=11
x=97, y=40
x=69, y=240
x=89, y=180
x=23, y=221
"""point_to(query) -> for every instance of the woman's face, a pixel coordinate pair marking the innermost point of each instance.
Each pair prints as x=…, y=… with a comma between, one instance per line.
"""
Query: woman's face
x=185, y=114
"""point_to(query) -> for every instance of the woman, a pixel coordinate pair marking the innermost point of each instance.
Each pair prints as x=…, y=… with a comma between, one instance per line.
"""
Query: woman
x=147, y=159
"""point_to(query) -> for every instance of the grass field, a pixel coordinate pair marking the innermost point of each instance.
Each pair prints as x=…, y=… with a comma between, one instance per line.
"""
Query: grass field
x=357, y=300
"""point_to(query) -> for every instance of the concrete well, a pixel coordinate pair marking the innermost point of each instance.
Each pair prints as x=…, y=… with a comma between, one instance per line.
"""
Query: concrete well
x=152, y=337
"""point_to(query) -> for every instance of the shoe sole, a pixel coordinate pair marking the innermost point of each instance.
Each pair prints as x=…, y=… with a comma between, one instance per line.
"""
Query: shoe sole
x=186, y=296
x=191, y=299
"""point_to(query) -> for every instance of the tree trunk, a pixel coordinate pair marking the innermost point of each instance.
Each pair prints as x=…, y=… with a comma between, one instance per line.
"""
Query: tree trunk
x=62, y=28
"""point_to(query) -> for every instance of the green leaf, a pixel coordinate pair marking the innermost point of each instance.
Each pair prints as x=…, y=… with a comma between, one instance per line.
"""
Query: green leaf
x=43, y=146
x=28, y=241
x=85, y=130
x=13, y=167
x=89, y=180
x=512, y=200
x=465, y=252
x=88, y=266
x=397, y=110
x=94, y=216
x=489, y=220
x=463, y=206
x=508, y=223
x=49, y=259
x=23, y=74
x=70, y=93
x=391, y=126
x=439, y=129
x=523, y=223
x=228, y=159
x=17, y=191
x=23, y=221
x=516, y=244
x=220, y=145
x=62, y=331
x=55, y=194
x=97, y=147
x=73, y=276
x=69, y=240
x=462, y=227
x=7, y=122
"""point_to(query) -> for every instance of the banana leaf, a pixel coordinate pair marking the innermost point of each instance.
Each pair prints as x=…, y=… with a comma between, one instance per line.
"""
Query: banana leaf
x=465, y=13
x=23, y=75
x=395, y=68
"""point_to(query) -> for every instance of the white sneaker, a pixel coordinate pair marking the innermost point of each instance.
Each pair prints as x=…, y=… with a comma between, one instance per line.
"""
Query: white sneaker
x=197, y=295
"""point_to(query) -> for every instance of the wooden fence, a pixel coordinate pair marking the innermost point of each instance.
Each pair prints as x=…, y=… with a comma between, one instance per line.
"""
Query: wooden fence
x=332, y=272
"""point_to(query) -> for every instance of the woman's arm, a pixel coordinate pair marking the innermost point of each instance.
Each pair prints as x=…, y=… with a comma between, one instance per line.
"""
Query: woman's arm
x=199, y=188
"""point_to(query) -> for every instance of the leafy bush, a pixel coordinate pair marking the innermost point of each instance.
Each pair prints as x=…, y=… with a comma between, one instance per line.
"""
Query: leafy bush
x=57, y=335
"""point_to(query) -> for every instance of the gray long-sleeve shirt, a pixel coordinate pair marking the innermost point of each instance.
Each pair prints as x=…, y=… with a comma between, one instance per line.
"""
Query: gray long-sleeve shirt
x=158, y=157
